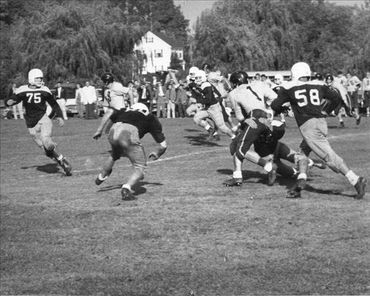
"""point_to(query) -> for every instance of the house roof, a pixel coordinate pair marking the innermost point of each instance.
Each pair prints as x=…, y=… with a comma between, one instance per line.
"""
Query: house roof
x=176, y=44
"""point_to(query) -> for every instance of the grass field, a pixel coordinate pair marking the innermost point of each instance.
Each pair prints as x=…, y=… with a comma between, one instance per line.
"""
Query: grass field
x=186, y=234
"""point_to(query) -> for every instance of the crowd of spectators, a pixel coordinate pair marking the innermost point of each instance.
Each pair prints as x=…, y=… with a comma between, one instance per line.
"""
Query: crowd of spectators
x=166, y=97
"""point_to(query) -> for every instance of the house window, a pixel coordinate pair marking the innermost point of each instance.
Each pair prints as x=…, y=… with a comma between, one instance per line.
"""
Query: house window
x=158, y=53
x=149, y=40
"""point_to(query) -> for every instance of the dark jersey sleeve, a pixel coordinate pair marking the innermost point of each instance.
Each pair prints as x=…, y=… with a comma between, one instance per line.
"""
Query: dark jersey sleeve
x=156, y=129
x=209, y=96
x=283, y=97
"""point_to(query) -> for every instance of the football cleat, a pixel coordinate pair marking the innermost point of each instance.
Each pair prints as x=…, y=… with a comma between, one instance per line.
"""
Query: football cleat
x=295, y=191
x=271, y=175
x=100, y=179
x=127, y=194
x=360, y=187
x=358, y=120
x=210, y=134
x=65, y=166
x=341, y=124
x=233, y=182
x=217, y=137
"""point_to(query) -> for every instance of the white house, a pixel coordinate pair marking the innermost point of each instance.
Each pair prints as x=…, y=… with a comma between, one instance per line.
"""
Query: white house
x=157, y=50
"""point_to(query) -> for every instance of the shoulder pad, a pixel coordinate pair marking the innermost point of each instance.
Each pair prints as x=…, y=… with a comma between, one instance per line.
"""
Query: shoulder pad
x=205, y=85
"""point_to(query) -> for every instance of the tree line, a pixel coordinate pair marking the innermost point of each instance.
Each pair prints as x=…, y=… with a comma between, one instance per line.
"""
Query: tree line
x=74, y=40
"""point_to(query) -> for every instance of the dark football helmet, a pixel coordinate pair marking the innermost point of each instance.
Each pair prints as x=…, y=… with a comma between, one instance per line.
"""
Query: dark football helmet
x=318, y=76
x=107, y=78
x=238, y=78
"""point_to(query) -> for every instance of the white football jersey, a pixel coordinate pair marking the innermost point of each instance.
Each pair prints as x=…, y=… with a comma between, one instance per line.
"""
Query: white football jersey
x=246, y=98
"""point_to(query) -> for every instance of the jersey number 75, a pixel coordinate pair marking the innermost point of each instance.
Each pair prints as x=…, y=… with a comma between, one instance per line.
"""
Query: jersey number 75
x=36, y=97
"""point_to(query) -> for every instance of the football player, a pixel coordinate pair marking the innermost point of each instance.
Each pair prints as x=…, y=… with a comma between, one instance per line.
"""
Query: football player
x=254, y=119
x=116, y=96
x=344, y=106
x=212, y=108
x=129, y=126
x=305, y=99
x=35, y=97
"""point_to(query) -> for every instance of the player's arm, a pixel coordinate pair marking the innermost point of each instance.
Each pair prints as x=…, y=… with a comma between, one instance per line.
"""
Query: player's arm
x=54, y=105
x=104, y=121
x=333, y=98
x=269, y=95
x=13, y=99
x=158, y=136
x=278, y=104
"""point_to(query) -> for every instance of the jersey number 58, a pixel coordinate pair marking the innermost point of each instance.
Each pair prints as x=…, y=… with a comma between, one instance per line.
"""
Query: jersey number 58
x=302, y=98
x=36, y=97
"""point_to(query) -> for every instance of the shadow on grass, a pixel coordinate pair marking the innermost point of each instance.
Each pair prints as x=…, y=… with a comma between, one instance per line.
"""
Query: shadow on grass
x=50, y=168
x=327, y=191
x=283, y=181
x=138, y=188
x=201, y=140
x=192, y=130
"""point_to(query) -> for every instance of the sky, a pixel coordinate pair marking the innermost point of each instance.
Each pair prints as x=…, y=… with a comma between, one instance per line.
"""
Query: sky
x=193, y=8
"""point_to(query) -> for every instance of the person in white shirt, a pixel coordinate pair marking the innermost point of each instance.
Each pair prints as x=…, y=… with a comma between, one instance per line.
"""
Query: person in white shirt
x=89, y=99
x=78, y=98
x=353, y=84
x=366, y=92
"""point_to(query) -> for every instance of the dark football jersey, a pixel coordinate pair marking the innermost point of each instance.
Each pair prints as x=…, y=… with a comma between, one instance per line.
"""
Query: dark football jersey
x=305, y=99
x=34, y=102
x=145, y=124
x=195, y=92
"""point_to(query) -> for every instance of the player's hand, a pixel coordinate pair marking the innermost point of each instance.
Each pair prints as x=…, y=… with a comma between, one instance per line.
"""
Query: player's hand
x=153, y=156
x=251, y=122
x=10, y=102
x=97, y=135
x=60, y=121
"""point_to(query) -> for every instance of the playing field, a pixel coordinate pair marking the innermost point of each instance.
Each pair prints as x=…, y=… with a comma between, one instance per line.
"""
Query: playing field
x=186, y=234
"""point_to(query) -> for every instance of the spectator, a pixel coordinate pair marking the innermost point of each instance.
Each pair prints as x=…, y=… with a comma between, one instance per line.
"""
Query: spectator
x=132, y=93
x=181, y=99
x=79, y=104
x=18, y=108
x=366, y=93
x=171, y=98
x=353, y=84
x=89, y=99
x=61, y=99
x=144, y=94
x=161, y=100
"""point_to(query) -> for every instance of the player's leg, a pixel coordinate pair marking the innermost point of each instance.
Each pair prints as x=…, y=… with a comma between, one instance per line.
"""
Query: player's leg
x=318, y=142
x=240, y=148
x=46, y=129
x=119, y=140
x=200, y=120
x=215, y=112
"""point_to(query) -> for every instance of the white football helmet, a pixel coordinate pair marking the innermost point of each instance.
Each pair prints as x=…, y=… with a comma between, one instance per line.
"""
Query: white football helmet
x=142, y=108
x=193, y=70
x=34, y=76
x=299, y=70
x=200, y=77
